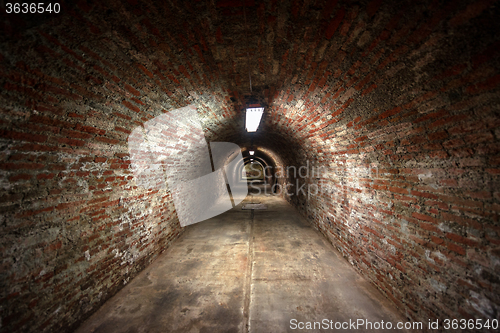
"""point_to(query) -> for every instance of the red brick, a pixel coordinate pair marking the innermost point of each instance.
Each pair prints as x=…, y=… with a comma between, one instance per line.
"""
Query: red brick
x=121, y=115
x=45, y=176
x=472, y=10
x=428, y=227
x=71, y=142
x=23, y=136
x=398, y=190
x=106, y=140
x=424, y=194
x=22, y=176
x=334, y=23
x=389, y=113
x=89, y=129
x=144, y=69
x=21, y=166
x=131, y=106
x=437, y=240
x=75, y=134
x=455, y=248
x=424, y=217
x=132, y=90
x=372, y=7
x=65, y=205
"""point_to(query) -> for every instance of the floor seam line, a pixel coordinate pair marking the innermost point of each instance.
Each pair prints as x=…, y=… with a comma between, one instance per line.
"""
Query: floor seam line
x=248, y=278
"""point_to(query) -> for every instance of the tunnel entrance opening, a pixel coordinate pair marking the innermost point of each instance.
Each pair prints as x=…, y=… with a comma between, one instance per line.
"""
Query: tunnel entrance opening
x=253, y=171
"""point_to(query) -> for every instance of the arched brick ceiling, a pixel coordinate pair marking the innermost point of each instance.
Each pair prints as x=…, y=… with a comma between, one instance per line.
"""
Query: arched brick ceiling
x=312, y=63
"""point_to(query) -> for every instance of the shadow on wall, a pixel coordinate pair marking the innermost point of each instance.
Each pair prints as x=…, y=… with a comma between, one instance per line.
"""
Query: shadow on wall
x=172, y=149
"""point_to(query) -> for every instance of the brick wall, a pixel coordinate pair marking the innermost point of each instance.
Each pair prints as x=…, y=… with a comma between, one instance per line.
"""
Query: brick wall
x=401, y=110
x=77, y=224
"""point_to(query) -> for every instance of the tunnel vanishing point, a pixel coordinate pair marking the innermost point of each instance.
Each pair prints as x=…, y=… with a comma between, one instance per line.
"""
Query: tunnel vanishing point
x=396, y=102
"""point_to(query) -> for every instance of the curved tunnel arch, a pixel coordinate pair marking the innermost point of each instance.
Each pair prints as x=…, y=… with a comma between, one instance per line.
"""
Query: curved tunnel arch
x=250, y=159
x=398, y=103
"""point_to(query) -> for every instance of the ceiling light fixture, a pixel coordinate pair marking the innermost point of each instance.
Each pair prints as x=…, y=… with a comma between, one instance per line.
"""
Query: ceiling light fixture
x=251, y=152
x=253, y=116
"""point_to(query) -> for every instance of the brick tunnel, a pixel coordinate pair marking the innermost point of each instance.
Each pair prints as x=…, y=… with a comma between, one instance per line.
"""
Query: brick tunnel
x=396, y=103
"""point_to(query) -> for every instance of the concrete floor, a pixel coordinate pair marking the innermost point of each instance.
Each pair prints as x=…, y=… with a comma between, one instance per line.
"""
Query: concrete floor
x=244, y=271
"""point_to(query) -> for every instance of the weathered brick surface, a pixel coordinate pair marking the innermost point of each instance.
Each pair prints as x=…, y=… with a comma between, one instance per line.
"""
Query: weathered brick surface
x=76, y=226
x=398, y=101
x=407, y=130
